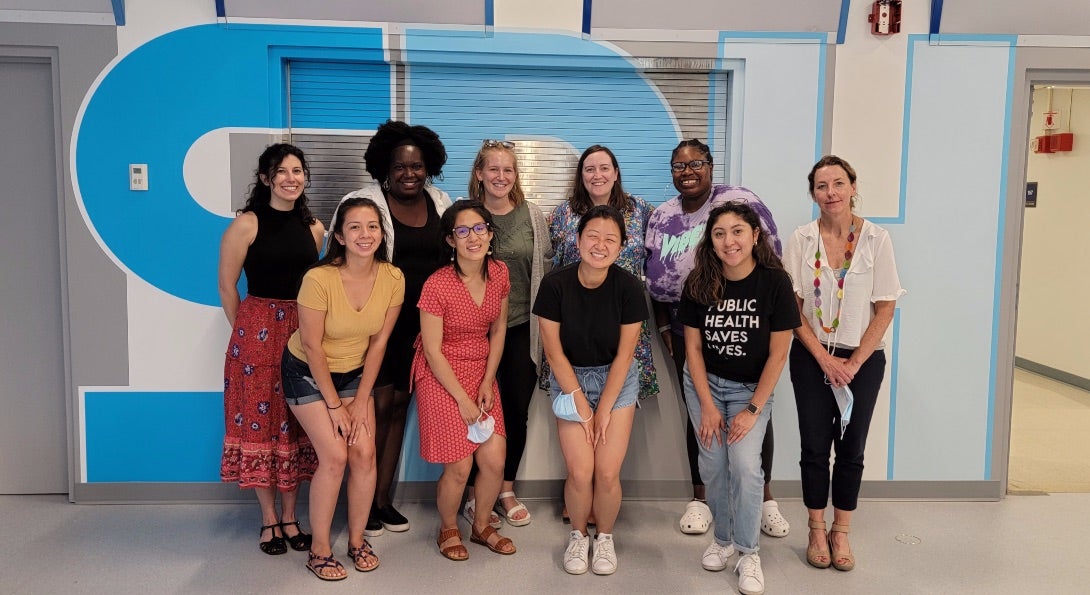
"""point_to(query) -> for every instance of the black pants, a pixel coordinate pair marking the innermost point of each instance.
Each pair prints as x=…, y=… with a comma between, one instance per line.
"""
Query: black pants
x=691, y=446
x=819, y=427
x=517, y=377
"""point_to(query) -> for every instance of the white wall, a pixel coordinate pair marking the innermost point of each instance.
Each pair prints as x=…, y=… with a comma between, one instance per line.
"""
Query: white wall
x=1052, y=321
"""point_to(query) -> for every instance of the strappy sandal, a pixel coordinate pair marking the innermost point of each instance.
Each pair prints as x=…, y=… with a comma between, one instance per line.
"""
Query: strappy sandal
x=814, y=555
x=836, y=557
x=299, y=542
x=499, y=547
x=364, y=553
x=274, y=546
x=456, y=552
x=510, y=514
x=469, y=511
x=316, y=564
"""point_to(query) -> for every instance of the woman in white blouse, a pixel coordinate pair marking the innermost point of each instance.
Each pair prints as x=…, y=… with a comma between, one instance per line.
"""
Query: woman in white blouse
x=846, y=283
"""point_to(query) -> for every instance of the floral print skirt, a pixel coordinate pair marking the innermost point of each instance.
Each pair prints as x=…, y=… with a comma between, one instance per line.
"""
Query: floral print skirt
x=263, y=444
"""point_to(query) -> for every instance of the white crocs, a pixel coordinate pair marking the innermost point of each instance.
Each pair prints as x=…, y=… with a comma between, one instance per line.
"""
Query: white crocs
x=772, y=522
x=697, y=518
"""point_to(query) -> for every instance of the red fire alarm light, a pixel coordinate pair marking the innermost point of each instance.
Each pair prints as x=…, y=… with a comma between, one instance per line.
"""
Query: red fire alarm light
x=885, y=17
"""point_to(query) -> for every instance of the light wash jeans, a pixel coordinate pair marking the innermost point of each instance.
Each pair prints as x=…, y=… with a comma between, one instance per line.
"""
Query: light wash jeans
x=732, y=473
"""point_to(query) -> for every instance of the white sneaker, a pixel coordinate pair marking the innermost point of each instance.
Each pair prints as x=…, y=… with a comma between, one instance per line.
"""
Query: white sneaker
x=772, y=522
x=716, y=556
x=605, y=559
x=697, y=518
x=576, y=555
x=751, y=579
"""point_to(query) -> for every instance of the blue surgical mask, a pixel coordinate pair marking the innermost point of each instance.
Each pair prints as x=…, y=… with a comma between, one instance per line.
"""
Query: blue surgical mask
x=481, y=430
x=564, y=408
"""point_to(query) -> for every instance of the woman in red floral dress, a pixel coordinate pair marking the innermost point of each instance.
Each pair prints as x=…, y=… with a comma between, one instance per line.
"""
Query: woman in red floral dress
x=463, y=323
x=274, y=239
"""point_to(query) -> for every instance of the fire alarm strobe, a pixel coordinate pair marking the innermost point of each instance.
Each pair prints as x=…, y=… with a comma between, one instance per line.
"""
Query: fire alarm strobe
x=885, y=17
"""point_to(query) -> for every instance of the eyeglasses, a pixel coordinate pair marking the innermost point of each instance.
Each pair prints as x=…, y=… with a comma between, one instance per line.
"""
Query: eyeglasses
x=489, y=143
x=695, y=165
x=462, y=232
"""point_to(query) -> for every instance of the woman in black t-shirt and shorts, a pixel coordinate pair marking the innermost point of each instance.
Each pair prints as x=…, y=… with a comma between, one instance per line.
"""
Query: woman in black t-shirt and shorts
x=738, y=309
x=590, y=314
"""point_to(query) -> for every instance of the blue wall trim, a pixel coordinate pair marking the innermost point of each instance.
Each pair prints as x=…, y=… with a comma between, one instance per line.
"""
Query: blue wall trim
x=119, y=12
x=489, y=13
x=153, y=436
x=999, y=238
x=906, y=119
x=936, y=16
x=819, y=126
x=893, y=369
x=221, y=8
x=587, y=10
x=842, y=26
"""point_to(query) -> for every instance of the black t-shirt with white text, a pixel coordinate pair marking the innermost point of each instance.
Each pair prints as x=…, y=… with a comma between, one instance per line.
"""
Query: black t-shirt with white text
x=735, y=330
x=590, y=319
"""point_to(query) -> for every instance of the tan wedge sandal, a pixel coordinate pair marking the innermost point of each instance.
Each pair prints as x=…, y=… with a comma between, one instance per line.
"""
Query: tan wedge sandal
x=844, y=561
x=814, y=555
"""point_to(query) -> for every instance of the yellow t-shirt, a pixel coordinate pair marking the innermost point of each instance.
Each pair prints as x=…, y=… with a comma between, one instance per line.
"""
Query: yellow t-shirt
x=347, y=332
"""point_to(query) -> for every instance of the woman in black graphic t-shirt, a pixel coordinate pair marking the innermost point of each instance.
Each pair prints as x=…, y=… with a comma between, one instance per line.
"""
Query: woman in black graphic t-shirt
x=738, y=309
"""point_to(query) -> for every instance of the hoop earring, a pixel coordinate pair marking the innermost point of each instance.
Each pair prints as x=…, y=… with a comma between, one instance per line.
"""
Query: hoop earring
x=386, y=184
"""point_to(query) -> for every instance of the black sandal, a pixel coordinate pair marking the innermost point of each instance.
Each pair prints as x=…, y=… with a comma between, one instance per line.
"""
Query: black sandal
x=274, y=546
x=299, y=542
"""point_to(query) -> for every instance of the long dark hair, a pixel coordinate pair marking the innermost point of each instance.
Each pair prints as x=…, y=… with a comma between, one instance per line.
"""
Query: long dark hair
x=705, y=284
x=261, y=193
x=394, y=134
x=335, y=252
x=580, y=201
x=446, y=226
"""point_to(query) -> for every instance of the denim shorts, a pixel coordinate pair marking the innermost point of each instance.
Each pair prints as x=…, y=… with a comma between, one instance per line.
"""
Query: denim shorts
x=300, y=387
x=592, y=379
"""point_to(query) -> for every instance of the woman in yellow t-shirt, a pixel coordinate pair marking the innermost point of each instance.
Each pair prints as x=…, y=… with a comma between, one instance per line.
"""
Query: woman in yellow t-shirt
x=348, y=304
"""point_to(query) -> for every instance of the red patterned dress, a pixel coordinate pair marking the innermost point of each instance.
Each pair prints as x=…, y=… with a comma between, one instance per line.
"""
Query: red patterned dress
x=465, y=345
x=263, y=444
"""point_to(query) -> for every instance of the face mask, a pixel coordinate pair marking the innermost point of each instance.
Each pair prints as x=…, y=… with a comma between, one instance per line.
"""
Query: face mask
x=564, y=408
x=844, y=401
x=481, y=430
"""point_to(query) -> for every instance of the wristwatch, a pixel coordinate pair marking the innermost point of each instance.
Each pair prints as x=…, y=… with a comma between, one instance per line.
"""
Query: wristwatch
x=753, y=408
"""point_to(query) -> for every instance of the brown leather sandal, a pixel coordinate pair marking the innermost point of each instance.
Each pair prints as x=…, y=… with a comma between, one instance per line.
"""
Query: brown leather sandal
x=815, y=556
x=456, y=552
x=500, y=547
x=842, y=560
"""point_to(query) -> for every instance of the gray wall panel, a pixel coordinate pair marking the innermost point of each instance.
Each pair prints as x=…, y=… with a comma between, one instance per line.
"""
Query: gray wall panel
x=95, y=296
x=721, y=15
x=102, y=6
x=1040, y=17
x=450, y=12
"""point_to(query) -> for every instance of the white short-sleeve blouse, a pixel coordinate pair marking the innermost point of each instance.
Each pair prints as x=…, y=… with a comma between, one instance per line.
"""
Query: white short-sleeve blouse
x=872, y=277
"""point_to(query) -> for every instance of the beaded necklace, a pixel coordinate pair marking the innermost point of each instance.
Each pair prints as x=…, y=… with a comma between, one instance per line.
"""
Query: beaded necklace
x=839, y=275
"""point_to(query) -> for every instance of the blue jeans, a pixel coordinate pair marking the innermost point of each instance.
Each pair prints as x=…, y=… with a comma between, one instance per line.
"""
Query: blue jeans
x=592, y=379
x=732, y=473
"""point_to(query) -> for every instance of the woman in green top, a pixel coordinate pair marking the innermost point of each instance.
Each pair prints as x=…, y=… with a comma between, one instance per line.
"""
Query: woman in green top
x=521, y=242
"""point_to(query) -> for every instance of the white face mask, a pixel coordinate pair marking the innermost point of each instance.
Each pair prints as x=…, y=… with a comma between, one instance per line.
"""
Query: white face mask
x=481, y=430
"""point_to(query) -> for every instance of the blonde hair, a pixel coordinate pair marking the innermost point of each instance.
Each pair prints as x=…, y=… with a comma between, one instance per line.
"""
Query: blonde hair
x=476, y=187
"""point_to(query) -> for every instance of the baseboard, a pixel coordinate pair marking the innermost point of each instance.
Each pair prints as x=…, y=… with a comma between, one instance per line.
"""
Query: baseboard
x=550, y=489
x=1053, y=373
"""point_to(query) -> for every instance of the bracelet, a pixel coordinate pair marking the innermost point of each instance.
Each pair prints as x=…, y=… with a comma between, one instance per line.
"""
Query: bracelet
x=664, y=328
x=339, y=405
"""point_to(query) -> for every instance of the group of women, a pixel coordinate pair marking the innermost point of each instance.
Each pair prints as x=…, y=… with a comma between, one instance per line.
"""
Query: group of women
x=320, y=368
